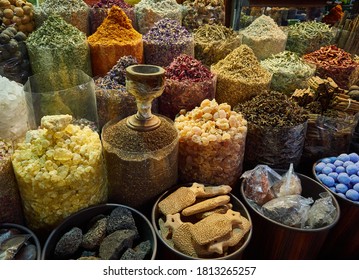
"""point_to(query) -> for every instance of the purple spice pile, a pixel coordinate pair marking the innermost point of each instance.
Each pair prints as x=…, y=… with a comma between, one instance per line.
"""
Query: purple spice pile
x=185, y=67
x=117, y=75
x=166, y=40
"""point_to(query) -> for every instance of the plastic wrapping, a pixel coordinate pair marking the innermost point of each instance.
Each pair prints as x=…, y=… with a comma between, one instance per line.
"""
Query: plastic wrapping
x=185, y=95
x=16, y=115
x=259, y=182
x=274, y=146
x=290, y=210
x=289, y=184
x=322, y=212
x=62, y=92
x=59, y=169
x=327, y=136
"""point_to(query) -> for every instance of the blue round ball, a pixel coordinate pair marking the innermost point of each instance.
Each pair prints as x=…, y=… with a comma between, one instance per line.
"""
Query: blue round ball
x=327, y=170
x=341, y=188
x=326, y=160
x=333, y=189
x=343, y=178
x=354, y=179
x=352, y=169
x=334, y=175
x=328, y=181
x=338, y=162
x=331, y=165
x=340, y=169
x=332, y=159
x=354, y=157
x=347, y=163
x=352, y=195
x=319, y=167
x=356, y=187
x=341, y=195
x=344, y=157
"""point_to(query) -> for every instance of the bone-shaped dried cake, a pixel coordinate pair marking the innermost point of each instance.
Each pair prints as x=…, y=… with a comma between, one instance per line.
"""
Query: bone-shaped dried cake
x=231, y=239
x=214, y=226
x=206, y=205
x=180, y=199
x=181, y=236
x=222, y=209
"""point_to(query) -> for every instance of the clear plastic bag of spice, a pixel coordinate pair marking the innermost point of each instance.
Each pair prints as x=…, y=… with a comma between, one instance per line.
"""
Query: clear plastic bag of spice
x=63, y=92
x=276, y=147
x=59, y=169
x=185, y=95
x=327, y=136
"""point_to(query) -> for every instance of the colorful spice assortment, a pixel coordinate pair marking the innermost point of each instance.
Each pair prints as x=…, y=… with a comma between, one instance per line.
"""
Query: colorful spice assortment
x=240, y=76
x=308, y=36
x=335, y=63
x=10, y=201
x=290, y=71
x=114, y=38
x=60, y=170
x=58, y=45
x=18, y=14
x=264, y=37
x=276, y=130
x=148, y=12
x=199, y=12
x=199, y=221
x=74, y=12
x=113, y=100
x=188, y=83
x=14, y=118
x=214, y=42
x=14, y=59
x=166, y=40
x=99, y=12
x=212, y=142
